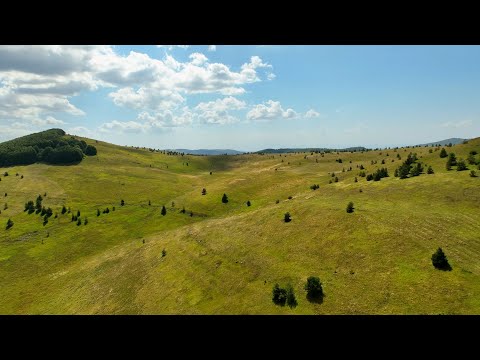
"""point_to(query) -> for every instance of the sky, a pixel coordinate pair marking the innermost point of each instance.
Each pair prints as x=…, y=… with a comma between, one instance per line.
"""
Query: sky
x=242, y=97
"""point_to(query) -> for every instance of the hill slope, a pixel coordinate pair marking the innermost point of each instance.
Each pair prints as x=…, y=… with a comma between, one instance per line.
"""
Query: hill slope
x=226, y=257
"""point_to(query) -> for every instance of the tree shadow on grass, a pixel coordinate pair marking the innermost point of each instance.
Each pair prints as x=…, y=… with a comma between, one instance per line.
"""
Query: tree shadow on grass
x=316, y=299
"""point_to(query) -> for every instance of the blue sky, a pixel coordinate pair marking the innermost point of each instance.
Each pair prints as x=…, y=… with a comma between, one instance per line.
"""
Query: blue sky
x=243, y=97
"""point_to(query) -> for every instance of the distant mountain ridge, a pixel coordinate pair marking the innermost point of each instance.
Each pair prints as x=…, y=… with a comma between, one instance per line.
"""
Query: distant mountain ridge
x=453, y=141
x=210, y=151
x=290, y=150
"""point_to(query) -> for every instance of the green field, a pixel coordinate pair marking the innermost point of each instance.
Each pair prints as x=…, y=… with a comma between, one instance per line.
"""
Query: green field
x=226, y=258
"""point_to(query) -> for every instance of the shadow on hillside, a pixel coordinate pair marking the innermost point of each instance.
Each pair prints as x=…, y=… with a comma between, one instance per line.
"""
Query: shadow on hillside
x=444, y=267
x=315, y=299
x=61, y=164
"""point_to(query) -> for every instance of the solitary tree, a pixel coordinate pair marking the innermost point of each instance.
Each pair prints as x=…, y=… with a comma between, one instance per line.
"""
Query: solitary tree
x=291, y=299
x=164, y=210
x=314, y=288
x=279, y=295
x=430, y=170
x=204, y=191
x=122, y=202
x=439, y=260
x=164, y=253
x=149, y=203
x=9, y=224
x=85, y=222
x=356, y=180
x=249, y=203
x=461, y=165
x=452, y=160
x=473, y=173
x=64, y=209
x=79, y=222
x=443, y=153
x=350, y=207
x=224, y=198
x=287, y=217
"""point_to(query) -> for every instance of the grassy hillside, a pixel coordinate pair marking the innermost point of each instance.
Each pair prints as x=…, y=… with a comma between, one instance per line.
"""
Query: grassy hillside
x=226, y=258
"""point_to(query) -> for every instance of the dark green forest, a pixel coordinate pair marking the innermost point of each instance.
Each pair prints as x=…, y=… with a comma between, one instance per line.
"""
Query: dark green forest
x=50, y=146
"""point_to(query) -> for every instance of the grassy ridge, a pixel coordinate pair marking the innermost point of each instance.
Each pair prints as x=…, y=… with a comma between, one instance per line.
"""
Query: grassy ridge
x=226, y=258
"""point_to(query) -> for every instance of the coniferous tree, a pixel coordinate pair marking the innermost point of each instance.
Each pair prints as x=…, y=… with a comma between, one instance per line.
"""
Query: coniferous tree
x=287, y=217
x=164, y=210
x=78, y=213
x=85, y=222
x=279, y=295
x=122, y=202
x=336, y=179
x=64, y=209
x=249, y=203
x=149, y=203
x=471, y=159
x=98, y=212
x=204, y=191
x=291, y=299
x=452, y=160
x=79, y=222
x=461, y=165
x=443, y=153
x=9, y=224
x=473, y=173
x=224, y=198
x=356, y=180
x=430, y=170
x=350, y=207
x=439, y=260
x=314, y=288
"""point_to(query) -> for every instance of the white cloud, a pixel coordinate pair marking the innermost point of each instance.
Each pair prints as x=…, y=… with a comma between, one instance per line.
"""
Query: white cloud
x=217, y=112
x=311, y=114
x=458, y=124
x=212, y=47
x=171, y=47
x=271, y=76
x=38, y=82
x=270, y=110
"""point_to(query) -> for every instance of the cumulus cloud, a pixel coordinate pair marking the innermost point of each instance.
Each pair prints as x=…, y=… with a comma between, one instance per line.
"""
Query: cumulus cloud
x=458, y=124
x=171, y=47
x=212, y=47
x=38, y=82
x=311, y=114
x=217, y=112
x=270, y=110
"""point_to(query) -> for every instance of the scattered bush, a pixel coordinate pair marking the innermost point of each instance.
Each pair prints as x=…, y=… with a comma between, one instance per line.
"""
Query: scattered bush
x=204, y=191
x=9, y=224
x=336, y=179
x=287, y=217
x=314, y=186
x=98, y=212
x=249, y=203
x=430, y=170
x=122, y=203
x=443, y=153
x=278, y=201
x=90, y=150
x=369, y=177
x=439, y=260
x=79, y=222
x=164, y=210
x=64, y=209
x=473, y=173
x=164, y=253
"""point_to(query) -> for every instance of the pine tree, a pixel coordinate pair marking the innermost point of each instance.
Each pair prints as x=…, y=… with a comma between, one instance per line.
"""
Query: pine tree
x=439, y=260
x=85, y=222
x=122, y=202
x=356, y=180
x=291, y=299
x=9, y=224
x=350, y=207
x=149, y=203
x=452, y=160
x=430, y=170
x=443, y=153
x=64, y=209
x=164, y=210
x=461, y=165
x=224, y=198
x=279, y=295
x=204, y=191
x=98, y=212
x=287, y=217
x=249, y=203
x=79, y=222
x=314, y=288
x=78, y=213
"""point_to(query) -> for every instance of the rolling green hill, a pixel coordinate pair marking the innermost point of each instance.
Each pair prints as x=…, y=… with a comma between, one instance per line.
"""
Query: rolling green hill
x=225, y=258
